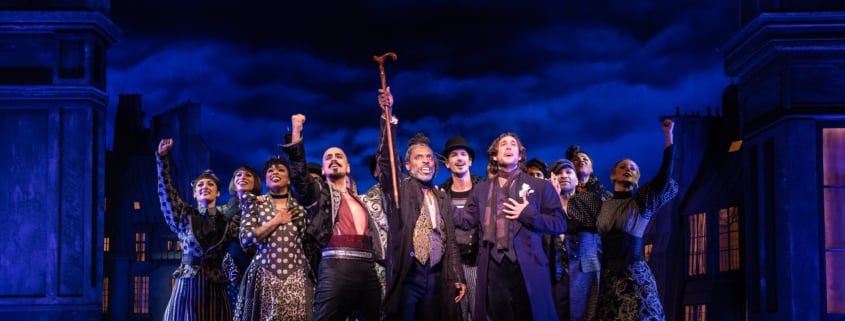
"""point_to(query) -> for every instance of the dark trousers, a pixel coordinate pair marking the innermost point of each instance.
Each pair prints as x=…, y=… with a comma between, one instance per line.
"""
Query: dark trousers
x=346, y=286
x=560, y=294
x=421, y=294
x=507, y=297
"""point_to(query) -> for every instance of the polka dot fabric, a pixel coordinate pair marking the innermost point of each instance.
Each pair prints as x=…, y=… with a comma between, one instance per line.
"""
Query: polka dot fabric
x=176, y=213
x=280, y=252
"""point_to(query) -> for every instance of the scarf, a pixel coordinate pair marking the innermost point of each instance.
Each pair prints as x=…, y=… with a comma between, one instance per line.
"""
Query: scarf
x=498, y=229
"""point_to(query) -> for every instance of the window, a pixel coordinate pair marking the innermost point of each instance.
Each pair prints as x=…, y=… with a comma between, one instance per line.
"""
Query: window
x=105, y=295
x=695, y=312
x=697, y=254
x=136, y=205
x=141, y=291
x=647, y=251
x=833, y=167
x=106, y=244
x=735, y=146
x=140, y=247
x=174, y=245
x=728, y=239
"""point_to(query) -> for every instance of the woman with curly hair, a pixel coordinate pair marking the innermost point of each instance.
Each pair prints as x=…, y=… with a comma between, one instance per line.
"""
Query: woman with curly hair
x=276, y=285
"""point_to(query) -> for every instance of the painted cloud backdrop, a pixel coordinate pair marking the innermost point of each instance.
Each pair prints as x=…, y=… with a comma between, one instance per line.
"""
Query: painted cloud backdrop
x=597, y=74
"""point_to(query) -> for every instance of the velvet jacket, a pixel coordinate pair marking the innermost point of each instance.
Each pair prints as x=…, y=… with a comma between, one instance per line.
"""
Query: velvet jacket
x=543, y=215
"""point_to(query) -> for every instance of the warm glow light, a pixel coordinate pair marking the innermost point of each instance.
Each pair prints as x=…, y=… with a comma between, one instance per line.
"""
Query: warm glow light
x=140, y=247
x=729, y=239
x=697, y=252
x=141, y=298
x=695, y=312
x=105, y=295
x=833, y=156
x=735, y=146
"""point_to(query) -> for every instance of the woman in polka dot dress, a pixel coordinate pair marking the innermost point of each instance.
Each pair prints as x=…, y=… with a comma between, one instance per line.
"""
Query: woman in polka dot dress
x=276, y=285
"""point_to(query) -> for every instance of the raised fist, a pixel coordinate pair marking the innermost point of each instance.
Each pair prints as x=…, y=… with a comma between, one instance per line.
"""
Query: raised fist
x=164, y=146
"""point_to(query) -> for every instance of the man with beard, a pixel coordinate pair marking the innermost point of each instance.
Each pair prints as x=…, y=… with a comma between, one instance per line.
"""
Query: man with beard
x=512, y=211
x=343, y=237
x=425, y=278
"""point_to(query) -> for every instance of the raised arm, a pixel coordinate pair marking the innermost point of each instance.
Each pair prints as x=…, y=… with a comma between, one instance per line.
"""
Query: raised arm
x=662, y=188
x=390, y=172
x=306, y=188
x=175, y=210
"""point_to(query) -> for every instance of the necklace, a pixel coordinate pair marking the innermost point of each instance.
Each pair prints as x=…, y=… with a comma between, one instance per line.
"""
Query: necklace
x=279, y=196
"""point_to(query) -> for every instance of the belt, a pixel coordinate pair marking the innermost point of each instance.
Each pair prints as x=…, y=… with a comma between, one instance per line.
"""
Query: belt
x=200, y=260
x=191, y=260
x=348, y=253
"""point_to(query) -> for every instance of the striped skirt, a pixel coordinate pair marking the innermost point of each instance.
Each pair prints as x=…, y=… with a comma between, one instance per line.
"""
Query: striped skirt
x=198, y=299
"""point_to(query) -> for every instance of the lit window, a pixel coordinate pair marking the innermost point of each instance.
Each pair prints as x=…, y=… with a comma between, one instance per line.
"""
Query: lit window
x=140, y=247
x=105, y=295
x=729, y=239
x=137, y=205
x=141, y=300
x=833, y=170
x=106, y=244
x=697, y=254
x=695, y=312
x=735, y=146
x=174, y=245
x=647, y=251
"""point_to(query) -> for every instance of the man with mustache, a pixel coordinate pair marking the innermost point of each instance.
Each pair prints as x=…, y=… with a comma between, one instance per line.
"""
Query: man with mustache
x=425, y=278
x=512, y=211
x=342, y=236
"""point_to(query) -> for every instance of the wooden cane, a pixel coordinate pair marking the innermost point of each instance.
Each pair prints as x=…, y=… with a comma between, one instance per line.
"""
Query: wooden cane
x=380, y=61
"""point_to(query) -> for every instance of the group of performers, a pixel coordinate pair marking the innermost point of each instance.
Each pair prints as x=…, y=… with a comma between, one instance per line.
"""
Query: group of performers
x=529, y=242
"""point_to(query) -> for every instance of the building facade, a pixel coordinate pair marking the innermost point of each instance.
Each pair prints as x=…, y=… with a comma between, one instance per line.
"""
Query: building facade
x=52, y=115
x=141, y=252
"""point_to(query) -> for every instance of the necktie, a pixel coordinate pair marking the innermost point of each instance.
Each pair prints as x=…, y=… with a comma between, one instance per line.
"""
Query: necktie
x=422, y=233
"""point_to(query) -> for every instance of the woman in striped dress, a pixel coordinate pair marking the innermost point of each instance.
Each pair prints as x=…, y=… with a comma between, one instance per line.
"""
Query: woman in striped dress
x=199, y=293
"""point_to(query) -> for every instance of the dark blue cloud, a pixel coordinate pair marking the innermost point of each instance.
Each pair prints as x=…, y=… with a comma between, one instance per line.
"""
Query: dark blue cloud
x=597, y=74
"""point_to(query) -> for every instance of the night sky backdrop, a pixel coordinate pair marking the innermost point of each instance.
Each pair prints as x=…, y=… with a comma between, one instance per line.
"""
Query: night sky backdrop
x=593, y=73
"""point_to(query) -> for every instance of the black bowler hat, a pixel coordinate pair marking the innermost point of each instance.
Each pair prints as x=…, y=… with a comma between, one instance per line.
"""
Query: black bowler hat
x=315, y=168
x=540, y=164
x=457, y=142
